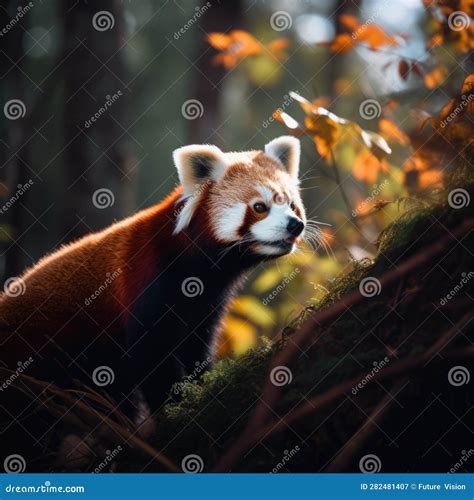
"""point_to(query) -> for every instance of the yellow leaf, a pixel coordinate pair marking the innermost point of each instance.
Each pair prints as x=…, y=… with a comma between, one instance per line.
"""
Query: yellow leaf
x=267, y=280
x=251, y=308
x=238, y=336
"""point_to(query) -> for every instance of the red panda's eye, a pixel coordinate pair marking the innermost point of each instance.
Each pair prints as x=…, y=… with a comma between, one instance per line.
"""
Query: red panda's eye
x=260, y=207
x=292, y=205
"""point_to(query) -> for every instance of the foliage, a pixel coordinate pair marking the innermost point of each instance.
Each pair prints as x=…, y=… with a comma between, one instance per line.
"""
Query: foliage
x=399, y=164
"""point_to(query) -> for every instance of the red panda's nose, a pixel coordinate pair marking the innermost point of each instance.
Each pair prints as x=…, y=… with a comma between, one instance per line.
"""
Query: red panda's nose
x=295, y=226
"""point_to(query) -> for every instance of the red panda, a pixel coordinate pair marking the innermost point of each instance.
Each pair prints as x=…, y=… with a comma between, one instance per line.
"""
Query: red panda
x=144, y=298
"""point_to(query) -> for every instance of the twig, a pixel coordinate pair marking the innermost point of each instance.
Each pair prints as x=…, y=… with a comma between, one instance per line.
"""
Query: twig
x=360, y=437
x=123, y=432
x=345, y=198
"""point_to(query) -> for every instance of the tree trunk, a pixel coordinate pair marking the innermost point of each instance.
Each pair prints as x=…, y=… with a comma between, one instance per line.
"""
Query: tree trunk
x=223, y=16
x=95, y=156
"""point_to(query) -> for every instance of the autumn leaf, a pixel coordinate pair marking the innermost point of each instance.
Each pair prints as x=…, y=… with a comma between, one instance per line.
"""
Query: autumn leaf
x=367, y=166
x=436, y=77
x=290, y=123
x=277, y=47
x=420, y=174
x=391, y=132
x=237, y=337
x=250, y=307
x=342, y=43
x=349, y=22
x=239, y=44
x=219, y=41
x=376, y=143
x=375, y=36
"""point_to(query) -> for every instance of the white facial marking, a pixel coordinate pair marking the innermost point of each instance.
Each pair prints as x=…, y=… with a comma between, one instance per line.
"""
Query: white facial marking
x=230, y=220
x=272, y=250
x=273, y=227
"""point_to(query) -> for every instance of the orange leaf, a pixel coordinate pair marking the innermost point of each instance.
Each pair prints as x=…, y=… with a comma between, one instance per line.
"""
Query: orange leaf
x=366, y=167
x=278, y=45
x=375, y=36
x=350, y=22
x=390, y=131
x=342, y=43
x=325, y=132
x=435, y=77
x=219, y=41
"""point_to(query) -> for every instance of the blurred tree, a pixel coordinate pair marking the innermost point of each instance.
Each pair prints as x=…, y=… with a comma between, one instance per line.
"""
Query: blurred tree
x=14, y=134
x=94, y=116
x=208, y=87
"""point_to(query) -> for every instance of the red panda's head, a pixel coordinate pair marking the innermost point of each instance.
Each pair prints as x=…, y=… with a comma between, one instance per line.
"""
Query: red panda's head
x=251, y=199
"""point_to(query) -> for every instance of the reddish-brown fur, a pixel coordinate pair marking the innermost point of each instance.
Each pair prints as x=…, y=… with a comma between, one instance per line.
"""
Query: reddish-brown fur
x=53, y=304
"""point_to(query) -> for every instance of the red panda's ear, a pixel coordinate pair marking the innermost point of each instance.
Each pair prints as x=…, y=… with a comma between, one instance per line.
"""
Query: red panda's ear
x=286, y=150
x=198, y=163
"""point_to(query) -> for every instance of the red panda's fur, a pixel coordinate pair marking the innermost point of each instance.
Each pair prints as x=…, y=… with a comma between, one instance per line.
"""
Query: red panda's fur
x=115, y=298
x=67, y=277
